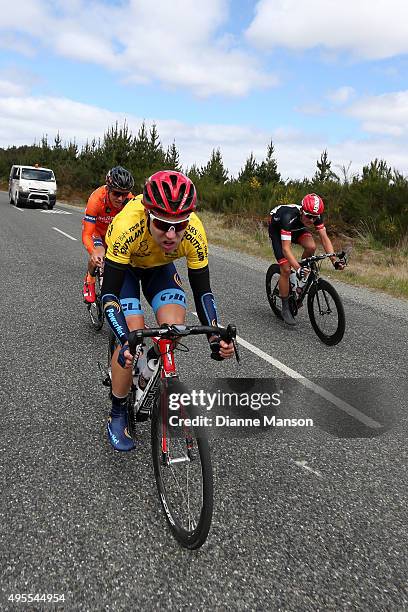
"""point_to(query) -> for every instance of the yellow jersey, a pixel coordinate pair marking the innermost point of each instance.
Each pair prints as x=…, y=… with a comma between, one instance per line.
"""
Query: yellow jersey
x=129, y=240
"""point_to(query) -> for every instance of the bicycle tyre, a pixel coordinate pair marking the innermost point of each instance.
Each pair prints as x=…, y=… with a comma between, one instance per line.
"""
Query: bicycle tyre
x=95, y=310
x=193, y=535
x=322, y=286
x=272, y=293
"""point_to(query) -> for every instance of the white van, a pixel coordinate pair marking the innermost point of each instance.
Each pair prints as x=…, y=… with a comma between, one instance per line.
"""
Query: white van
x=32, y=185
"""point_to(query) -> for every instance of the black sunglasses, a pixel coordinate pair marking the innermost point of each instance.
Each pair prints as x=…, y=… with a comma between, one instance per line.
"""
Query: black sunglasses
x=118, y=194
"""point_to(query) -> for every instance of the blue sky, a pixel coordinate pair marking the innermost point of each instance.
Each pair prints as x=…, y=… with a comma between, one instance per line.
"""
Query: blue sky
x=310, y=75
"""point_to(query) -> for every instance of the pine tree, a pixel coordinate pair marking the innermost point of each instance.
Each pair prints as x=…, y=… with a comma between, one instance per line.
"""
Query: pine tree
x=194, y=173
x=249, y=171
x=116, y=145
x=324, y=172
x=215, y=169
x=57, y=142
x=155, y=150
x=140, y=151
x=172, y=158
x=268, y=169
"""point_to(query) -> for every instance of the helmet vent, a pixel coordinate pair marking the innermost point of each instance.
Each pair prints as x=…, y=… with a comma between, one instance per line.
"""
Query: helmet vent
x=156, y=194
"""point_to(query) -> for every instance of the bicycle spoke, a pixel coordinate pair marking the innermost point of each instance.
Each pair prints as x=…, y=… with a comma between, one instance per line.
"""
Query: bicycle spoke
x=183, y=482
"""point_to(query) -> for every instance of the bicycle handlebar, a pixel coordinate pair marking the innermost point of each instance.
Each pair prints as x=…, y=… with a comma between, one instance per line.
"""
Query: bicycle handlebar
x=308, y=260
x=172, y=332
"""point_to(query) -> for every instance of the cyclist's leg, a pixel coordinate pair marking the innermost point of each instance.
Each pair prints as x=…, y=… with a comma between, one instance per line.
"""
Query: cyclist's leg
x=117, y=426
x=89, y=281
x=274, y=235
x=284, y=272
x=307, y=242
x=164, y=291
x=130, y=302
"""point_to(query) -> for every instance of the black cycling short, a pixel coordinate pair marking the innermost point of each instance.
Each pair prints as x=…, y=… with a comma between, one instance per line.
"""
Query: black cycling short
x=275, y=236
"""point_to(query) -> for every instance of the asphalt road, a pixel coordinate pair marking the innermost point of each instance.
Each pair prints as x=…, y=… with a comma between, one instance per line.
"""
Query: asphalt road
x=305, y=518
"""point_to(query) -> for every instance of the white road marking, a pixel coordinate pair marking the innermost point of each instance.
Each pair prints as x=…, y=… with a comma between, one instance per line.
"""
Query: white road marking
x=19, y=209
x=303, y=464
x=63, y=233
x=347, y=408
x=56, y=212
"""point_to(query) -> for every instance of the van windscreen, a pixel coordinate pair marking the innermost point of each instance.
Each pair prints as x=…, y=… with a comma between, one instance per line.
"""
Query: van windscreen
x=34, y=174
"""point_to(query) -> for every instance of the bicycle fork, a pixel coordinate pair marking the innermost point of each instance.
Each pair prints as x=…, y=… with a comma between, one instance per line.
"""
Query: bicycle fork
x=169, y=371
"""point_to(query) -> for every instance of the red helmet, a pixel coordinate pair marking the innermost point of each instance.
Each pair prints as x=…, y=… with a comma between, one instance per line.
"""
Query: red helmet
x=312, y=204
x=169, y=192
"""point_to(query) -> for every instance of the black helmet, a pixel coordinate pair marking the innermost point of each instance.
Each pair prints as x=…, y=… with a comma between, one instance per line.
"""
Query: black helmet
x=120, y=178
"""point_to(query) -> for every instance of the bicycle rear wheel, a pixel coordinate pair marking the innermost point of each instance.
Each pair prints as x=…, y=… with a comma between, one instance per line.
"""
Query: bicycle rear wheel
x=95, y=310
x=326, y=312
x=183, y=471
x=272, y=289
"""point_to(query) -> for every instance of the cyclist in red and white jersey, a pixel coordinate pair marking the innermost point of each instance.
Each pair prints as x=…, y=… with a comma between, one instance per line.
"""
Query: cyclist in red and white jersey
x=292, y=223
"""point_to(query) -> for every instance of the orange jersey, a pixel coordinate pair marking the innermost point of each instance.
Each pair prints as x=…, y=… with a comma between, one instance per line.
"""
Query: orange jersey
x=99, y=213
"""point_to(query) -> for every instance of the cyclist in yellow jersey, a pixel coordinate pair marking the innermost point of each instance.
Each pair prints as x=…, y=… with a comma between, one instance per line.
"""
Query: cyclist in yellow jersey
x=143, y=241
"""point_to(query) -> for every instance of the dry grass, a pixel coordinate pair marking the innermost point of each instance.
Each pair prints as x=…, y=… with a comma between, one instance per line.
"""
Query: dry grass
x=383, y=269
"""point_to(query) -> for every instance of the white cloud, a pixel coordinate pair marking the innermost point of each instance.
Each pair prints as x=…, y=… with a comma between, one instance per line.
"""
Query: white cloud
x=11, y=42
x=179, y=44
x=27, y=119
x=341, y=95
x=369, y=29
x=384, y=114
x=10, y=88
x=310, y=109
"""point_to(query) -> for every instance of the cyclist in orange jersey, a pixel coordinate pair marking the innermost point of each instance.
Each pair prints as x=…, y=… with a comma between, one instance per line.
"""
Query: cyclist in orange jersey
x=103, y=205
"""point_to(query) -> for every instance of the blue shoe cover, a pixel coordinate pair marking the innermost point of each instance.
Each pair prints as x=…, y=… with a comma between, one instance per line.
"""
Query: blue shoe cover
x=118, y=435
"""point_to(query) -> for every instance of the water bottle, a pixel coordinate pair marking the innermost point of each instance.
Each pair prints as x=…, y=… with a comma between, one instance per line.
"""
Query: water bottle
x=146, y=373
x=301, y=283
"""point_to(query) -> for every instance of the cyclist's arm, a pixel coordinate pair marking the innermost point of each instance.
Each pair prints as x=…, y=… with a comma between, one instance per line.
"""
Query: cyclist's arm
x=91, y=238
x=114, y=274
x=207, y=311
x=326, y=242
x=203, y=297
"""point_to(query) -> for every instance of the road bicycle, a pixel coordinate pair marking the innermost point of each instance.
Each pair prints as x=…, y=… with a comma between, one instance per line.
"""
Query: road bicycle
x=324, y=305
x=180, y=449
x=95, y=310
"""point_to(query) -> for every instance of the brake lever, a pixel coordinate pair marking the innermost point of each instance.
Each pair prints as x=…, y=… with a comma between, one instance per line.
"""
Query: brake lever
x=231, y=337
x=234, y=344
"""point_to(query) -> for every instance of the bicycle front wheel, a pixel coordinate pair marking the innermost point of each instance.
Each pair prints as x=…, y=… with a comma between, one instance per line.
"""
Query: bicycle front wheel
x=326, y=312
x=95, y=309
x=183, y=470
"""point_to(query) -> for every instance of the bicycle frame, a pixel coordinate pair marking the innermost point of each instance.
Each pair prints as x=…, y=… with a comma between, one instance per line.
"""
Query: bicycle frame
x=314, y=263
